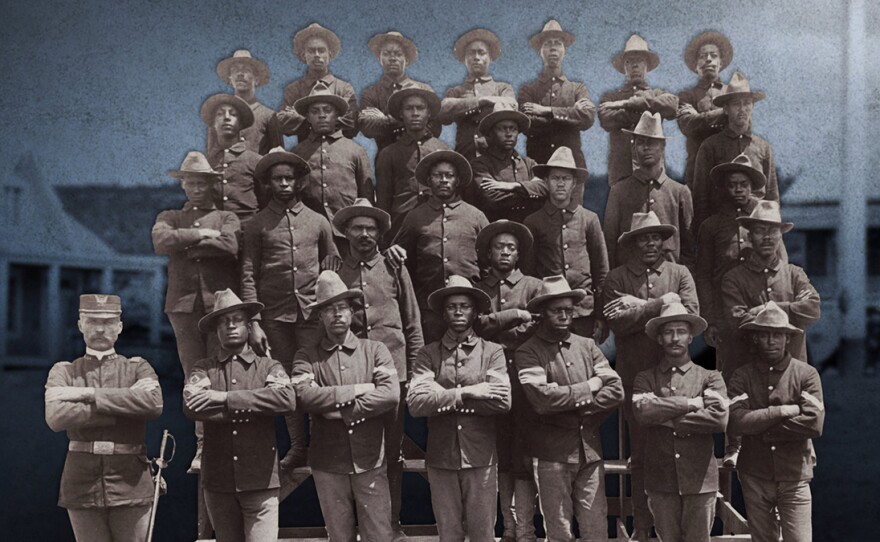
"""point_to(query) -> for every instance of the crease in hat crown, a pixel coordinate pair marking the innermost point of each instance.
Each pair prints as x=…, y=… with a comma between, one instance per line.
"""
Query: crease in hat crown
x=554, y=287
x=456, y=284
x=738, y=86
x=740, y=164
x=226, y=301
x=636, y=45
x=643, y=223
x=334, y=46
x=477, y=34
x=766, y=212
x=562, y=158
x=321, y=93
x=771, y=318
x=675, y=312
x=330, y=288
x=410, y=51
x=551, y=29
x=194, y=163
x=262, y=75
x=362, y=207
x=649, y=125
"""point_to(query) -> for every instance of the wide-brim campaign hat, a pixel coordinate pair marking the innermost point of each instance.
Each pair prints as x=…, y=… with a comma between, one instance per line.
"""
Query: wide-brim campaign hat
x=209, y=107
x=362, y=207
x=93, y=304
x=771, y=318
x=523, y=236
x=456, y=285
x=766, y=212
x=459, y=162
x=243, y=56
x=554, y=287
x=410, y=51
x=280, y=156
x=481, y=34
x=636, y=45
x=738, y=86
x=717, y=38
x=504, y=111
x=194, y=163
x=740, y=164
x=329, y=289
x=225, y=301
x=643, y=223
x=321, y=94
x=675, y=312
x=316, y=30
x=395, y=101
x=649, y=125
x=551, y=30
x=562, y=158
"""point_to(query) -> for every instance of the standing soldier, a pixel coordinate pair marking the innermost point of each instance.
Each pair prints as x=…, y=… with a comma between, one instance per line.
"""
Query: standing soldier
x=460, y=383
x=202, y=244
x=467, y=104
x=315, y=46
x=776, y=403
x=622, y=109
x=348, y=385
x=681, y=405
x=237, y=393
x=572, y=388
x=559, y=109
x=698, y=118
x=396, y=53
x=389, y=314
x=103, y=401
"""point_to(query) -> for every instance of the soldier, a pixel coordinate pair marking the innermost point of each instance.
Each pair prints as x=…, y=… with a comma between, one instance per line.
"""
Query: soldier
x=559, y=109
x=460, y=383
x=286, y=246
x=500, y=245
x=568, y=240
x=776, y=403
x=623, y=108
x=389, y=314
x=681, y=405
x=202, y=244
x=572, y=388
x=348, y=385
x=239, y=192
x=237, y=393
x=698, y=118
x=396, y=53
x=103, y=400
x=244, y=74
x=649, y=189
x=467, y=104
x=315, y=46
x=737, y=101
x=634, y=293
x=507, y=185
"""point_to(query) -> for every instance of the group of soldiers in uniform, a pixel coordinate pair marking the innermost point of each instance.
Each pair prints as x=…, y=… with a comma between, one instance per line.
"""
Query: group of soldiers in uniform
x=471, y=286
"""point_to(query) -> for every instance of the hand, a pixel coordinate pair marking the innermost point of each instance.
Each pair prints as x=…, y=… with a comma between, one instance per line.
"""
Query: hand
x=490, y=100
x=790, y=411
x=331, y=263
x=145, y=384
x=485, y=390
x=531, y=108
x=73, y=394
x=361, y=389
x=396, y=256
x=600, y=332
x=670, y=297
x=712, y=337
x=595, y=384
x=491, y=184
x=695, y=404
x=523, y=316
x=616, y=104
x=204, y=399
x=208, y=233
x=625, y=302
x=258, y=339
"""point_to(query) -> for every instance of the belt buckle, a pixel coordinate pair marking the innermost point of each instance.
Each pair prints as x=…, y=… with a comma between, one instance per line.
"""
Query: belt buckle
x=103, y=447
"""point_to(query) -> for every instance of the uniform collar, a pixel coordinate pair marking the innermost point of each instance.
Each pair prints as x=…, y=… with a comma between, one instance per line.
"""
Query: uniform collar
x=728, y=208
x=350, y=343
x=327, y=79
x=707, y=85
x=407, y=139
x=728, y=131
x=502, y=155
x=436, y=204
x=334, y=136
x=190, y=207
x=551, y=209
x=779, y=367
x=542, y=334
x=637, y=268
x=545, y=77
x=109, y=354
x=354, y=262
x=492, y=278
x=294, y=206
x=666, y=367
x=753, y=262
x=404, y=82
x=640, y=86
x=237, y=148
x=482, y=80
x=247, y=355
x=449, y=342
x=642, y=175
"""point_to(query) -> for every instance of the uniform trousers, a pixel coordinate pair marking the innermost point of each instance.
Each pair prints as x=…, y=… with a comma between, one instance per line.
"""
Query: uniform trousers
x=192, y=344
x=110, y=523
x=642, y=516
x=243, y=516
x=573, y=489
x=349, y=501
x=394, y=431
x=728, y=359
x=774, y=507
x=464, y=502
x=682, y=518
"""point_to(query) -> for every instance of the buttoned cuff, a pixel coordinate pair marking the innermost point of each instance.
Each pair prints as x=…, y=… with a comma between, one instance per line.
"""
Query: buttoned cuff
x=582, y=394
x=345, y=396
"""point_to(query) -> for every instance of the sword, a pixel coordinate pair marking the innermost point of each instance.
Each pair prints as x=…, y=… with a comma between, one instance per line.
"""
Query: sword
x=160, y=463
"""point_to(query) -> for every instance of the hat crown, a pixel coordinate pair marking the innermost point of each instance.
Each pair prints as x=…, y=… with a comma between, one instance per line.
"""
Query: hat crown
x=562, y=157
x=636, y=44
x=772, y=316
x=329, y=285
x=242, y=53
x=742, y=160
x=320, y=89
x=195, y=162
x=100, y=303
x=554, y=285
x=767, y=211
x=504, y=106
x=457, y=281
x=362, y=202
x=738, y=83
x=671, y=310
x=552, y=26
x=223, y=299
x=650, y=125
x=644, y=220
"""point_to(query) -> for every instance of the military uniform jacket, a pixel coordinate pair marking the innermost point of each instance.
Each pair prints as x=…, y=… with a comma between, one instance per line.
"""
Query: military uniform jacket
x=397, y=190
x=461, y=105
x=508, y=295
x=384, y=128
x=239, y=452
x=461, y=432
x=682, y=448
x=325, y=376
x=554, y=375
x=698, y=119
x=292, y=123
x=118, y=415
x=776, y=448
x=239, y=192
x=511, y=167
x=197, y=267
x=256, y=136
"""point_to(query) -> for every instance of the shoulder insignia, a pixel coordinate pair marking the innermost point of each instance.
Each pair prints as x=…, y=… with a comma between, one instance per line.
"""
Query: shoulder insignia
x=387, y=370
x=640, y=397
x=499, y=375
x=813, y=400
x=137, y=359
x=739, y=398
x=302, y=377
x=714, y=394
x=533, y=375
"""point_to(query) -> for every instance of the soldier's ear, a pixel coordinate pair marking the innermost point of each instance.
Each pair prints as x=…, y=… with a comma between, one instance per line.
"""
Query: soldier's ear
x=79, y=324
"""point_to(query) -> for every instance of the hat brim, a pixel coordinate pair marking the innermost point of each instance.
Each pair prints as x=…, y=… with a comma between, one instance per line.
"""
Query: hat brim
x=720, y=172
x=180, y=174
x=523, y=236
x=722, y=99
x=246, y=115
x=435, y=300
x=747, y=221
x=652, y=57
x=208, y=322
x=539, y=38
x=266, y=162
x=462, y=166
x=410, y=51
x=395, y=101
x=696, y=323
x=717, y=38
x=534, y=305
x=302, y=105
x=478, y=34
x=301, y=37
x=493, y=118
x=753, y=326
x=665, y=230
x=542, y=170
x=261, y=70
x=663, y=137
x=383, y=219
x=348, y=294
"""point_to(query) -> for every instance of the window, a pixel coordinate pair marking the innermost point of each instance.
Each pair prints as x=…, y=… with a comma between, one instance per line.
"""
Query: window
x=873, y=252
x=820, y=257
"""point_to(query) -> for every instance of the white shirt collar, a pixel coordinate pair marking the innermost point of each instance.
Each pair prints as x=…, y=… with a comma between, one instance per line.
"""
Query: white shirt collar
x=100, y=355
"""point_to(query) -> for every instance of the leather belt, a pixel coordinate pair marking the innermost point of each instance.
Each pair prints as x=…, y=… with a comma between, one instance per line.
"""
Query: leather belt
x=103, y=447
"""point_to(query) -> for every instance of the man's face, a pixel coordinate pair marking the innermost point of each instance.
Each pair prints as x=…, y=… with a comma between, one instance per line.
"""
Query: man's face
x=232, y=329
x=771, y=344
x=738, y=188
x=242, y=78
x=362, y=233
x=709, y=61
x=199, y=189
x=322, y=117
x=635, y=66
x=504, y=134
x=476, y=58
x=282, y=182
x=558, y=313
x=393, y=59
x=414, y=113
x=648, y=151
x=504, y=252
x=443, y=181
x=317, y=54
x=560, y=184
x=226, y=121
x=336, y=318
x=648, y=246
x=739, y=111
x=100, y=330
x=459, y=312
x=552, y=52
x=765, y=239
x=674, y=338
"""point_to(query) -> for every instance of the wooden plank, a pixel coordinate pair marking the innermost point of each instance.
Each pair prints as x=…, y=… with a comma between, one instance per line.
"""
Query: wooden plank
x=732, y=520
